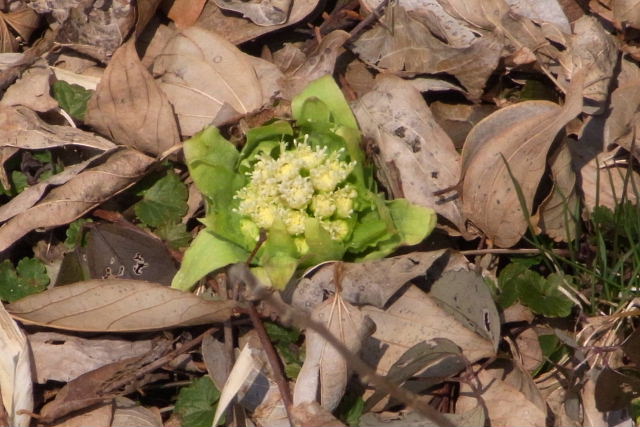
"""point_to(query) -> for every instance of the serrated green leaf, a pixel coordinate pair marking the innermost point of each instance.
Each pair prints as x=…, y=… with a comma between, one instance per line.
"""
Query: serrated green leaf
x=350, y=409
x=196, y=404
x=165, y=202
x=280, y=334
x=19, y=181
x=72, y=98
x=28, y=278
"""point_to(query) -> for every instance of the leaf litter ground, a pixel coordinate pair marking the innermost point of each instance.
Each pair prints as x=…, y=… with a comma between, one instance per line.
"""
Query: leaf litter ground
x=514, y=121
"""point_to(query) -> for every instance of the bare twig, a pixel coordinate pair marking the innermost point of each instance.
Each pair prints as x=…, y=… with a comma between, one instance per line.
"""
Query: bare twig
x=373, y=16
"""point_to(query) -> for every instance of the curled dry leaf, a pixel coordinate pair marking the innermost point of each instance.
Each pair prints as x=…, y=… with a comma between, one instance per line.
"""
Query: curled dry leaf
x=129, y=413
x=201, y=73
x=129, y=106
x=626, y=13
x=22, y=128
x=264, y=13
x=595, y=50
x=32, y=89
x=15, y=371
x=64, y=357
x=416, y=157
x=623, y=124
x=312, y=414
x=30, y=195
x=319, y=62
x=325, y=372
x=412, y=48
x=185, y=13
x=514, y=139
x=118, y=305
x=238, y=30
x=82, y=193
x=559, y=212
x=542, y=11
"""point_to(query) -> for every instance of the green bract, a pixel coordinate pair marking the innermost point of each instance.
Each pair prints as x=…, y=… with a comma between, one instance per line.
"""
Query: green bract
x=306, y=186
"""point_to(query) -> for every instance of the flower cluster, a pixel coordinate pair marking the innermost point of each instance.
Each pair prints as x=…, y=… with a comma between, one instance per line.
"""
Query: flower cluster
x=303, y=181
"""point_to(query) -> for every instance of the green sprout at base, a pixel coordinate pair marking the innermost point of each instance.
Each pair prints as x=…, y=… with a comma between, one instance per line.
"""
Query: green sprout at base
x=306, y=186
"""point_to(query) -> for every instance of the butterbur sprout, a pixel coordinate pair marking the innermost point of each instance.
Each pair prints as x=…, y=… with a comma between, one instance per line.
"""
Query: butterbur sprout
x=305, y=184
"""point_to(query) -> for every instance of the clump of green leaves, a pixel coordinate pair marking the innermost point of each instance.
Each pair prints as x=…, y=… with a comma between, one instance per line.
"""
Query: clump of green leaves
x=517, y=283
x=72, y=98
x=305, y=185
x=196, y=404
x=28, y=277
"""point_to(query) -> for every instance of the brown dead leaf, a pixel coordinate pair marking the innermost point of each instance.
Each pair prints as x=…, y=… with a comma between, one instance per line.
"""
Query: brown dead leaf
x=185, y=13
x=238, y=30
x=201, y=72
x=626, y=13
x=23, y=21
x=118, y=305
x=32, y=89
x=623, y=124
x=129, y=106
x=100, y=416
x=458, y=119
x=313, y=415
x=129, y=413
x=559, y=212
x=319, y=62
x=526, y=347
x=518, y=136
x=22, y=128
x=325, y=372
x=64, y=357
x=416, y=157
x=82, y=193
x=30, y=195
x=265, y=13
x=368, y=282
x=413, y=49
x=412, y=318
x=502, y=391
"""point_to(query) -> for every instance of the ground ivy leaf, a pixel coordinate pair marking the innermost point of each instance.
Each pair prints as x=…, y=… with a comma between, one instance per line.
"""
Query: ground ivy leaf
x=543, y=296
x=28, y=278
x=72, y=98
x=75, y=234
x=164, y=202
x=196, y=403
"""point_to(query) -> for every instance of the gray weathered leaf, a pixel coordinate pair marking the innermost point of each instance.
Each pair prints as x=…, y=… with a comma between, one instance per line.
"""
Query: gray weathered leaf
x=518, y=136
x=118, y=305
x=264, y=13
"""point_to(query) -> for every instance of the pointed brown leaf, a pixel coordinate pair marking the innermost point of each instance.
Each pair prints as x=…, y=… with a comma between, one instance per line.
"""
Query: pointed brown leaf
x=121, y=305
x=518, y=136
x=129, y=106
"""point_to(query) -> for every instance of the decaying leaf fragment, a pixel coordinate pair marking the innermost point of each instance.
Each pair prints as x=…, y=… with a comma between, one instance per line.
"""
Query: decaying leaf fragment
x=264, y=12
x=130, y=108
x=118, y=305
x=623, y=124
x=205, y=76
x=416, y=157
x=518, y=136
x=325, y=372
x=82, y=193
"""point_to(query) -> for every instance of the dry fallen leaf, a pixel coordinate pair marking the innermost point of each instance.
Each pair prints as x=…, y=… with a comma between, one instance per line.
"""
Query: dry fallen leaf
x=64, y=357
x=185, y=13
x=411, y=47
x=130, y=108
x=416, y=157
x=264, y=12
x=118, y=305
x=73, y=199
x=515, y=138
x=32, y=89
x=100, y=416
x=129, y=413
x=201, y=72
x=623, y=124
x=369, y=282
x=325, y=372
x=239, y=30
x=559, y=212
x=15, y=371
x=497, y=387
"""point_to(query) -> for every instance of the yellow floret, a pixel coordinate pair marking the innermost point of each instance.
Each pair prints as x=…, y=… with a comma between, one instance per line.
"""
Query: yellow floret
x=343, y=199
x=294, y=221
x=322, y=205
x=338, y=229
x=297, y=192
